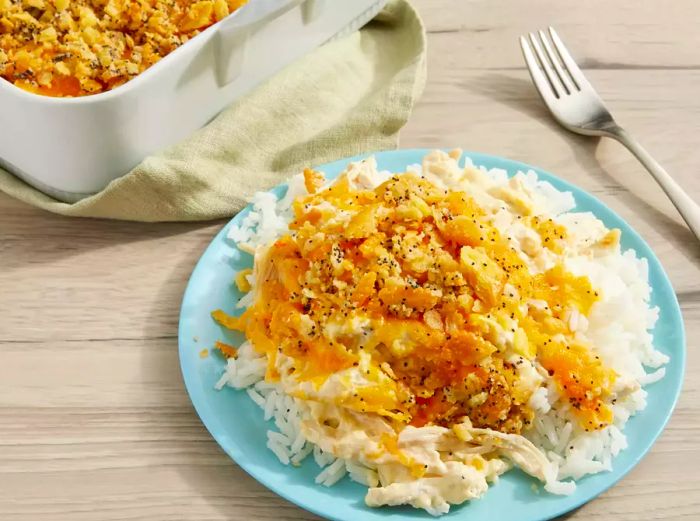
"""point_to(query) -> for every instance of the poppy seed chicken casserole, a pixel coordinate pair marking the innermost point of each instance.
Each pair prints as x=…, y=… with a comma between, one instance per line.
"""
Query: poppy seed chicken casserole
x=423, y=331
x=80, y=47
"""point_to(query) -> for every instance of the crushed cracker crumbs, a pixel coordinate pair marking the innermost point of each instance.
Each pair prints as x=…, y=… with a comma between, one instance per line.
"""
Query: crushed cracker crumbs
x=67, y=48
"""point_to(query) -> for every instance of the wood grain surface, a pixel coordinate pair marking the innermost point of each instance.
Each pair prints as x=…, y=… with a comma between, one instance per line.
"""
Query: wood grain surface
x=94, y=420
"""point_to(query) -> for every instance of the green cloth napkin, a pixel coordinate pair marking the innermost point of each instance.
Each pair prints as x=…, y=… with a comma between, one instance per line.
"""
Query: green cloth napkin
x=347, y=97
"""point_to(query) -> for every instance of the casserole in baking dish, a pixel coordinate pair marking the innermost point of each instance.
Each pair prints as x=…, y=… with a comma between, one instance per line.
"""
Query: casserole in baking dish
x=81, y=47
x=71, y=148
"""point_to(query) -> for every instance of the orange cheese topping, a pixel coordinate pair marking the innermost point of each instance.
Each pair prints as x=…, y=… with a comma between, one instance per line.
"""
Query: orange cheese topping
x=80, y=47
x=225, y=349
x=415, y=288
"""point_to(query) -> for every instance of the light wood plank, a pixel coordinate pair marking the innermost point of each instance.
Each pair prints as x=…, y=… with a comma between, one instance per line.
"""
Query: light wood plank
x=600, y=34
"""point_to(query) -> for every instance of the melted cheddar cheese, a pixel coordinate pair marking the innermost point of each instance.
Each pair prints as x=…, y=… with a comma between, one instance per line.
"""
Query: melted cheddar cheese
x=410, y=297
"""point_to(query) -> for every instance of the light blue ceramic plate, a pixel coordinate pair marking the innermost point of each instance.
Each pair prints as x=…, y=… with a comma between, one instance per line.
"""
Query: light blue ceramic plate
x=237, y=425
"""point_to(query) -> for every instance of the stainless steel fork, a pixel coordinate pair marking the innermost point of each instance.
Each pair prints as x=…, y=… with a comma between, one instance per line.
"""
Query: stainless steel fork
x=576, y=105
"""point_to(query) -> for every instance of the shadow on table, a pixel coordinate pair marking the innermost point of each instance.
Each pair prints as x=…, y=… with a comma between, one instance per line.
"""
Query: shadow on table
x=520, y=95
x=207, y=470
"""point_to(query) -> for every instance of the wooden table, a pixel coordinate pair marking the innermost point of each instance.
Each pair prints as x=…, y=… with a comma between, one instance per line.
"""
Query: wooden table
x=94, y=420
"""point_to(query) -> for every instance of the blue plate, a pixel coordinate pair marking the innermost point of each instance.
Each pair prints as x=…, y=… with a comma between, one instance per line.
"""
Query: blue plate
x=237, y=423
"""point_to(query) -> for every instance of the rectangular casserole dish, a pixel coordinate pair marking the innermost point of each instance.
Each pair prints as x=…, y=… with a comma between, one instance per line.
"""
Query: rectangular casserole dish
x=71, y=148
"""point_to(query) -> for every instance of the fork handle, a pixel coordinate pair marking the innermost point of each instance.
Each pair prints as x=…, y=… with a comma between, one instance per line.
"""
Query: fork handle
x=689, y=209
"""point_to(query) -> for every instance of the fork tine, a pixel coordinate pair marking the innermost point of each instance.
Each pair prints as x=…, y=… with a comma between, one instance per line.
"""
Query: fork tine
x=563, y=77
x=539, y=79
x=576, y=75
x=546, y=67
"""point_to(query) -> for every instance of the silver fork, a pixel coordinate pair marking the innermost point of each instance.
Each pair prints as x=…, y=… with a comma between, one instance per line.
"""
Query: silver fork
x=575, y=104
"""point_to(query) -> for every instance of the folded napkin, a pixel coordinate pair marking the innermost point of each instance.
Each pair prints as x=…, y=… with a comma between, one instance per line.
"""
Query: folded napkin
x=347, y=97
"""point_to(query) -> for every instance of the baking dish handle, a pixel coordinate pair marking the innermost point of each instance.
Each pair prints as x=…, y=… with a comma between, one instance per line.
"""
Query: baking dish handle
x=235, y=31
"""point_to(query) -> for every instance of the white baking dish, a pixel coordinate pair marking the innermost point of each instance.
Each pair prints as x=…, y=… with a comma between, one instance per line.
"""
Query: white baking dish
x=73, y=147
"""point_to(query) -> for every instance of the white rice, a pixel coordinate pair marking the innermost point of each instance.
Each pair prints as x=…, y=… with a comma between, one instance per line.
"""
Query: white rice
x=623, y=345
x=256, y=397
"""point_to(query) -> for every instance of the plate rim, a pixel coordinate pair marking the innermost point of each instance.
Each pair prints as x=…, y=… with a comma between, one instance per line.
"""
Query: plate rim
x=511, y=166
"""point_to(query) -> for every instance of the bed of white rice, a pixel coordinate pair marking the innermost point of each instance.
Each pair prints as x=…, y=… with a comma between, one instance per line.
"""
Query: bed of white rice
x=625, y=344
